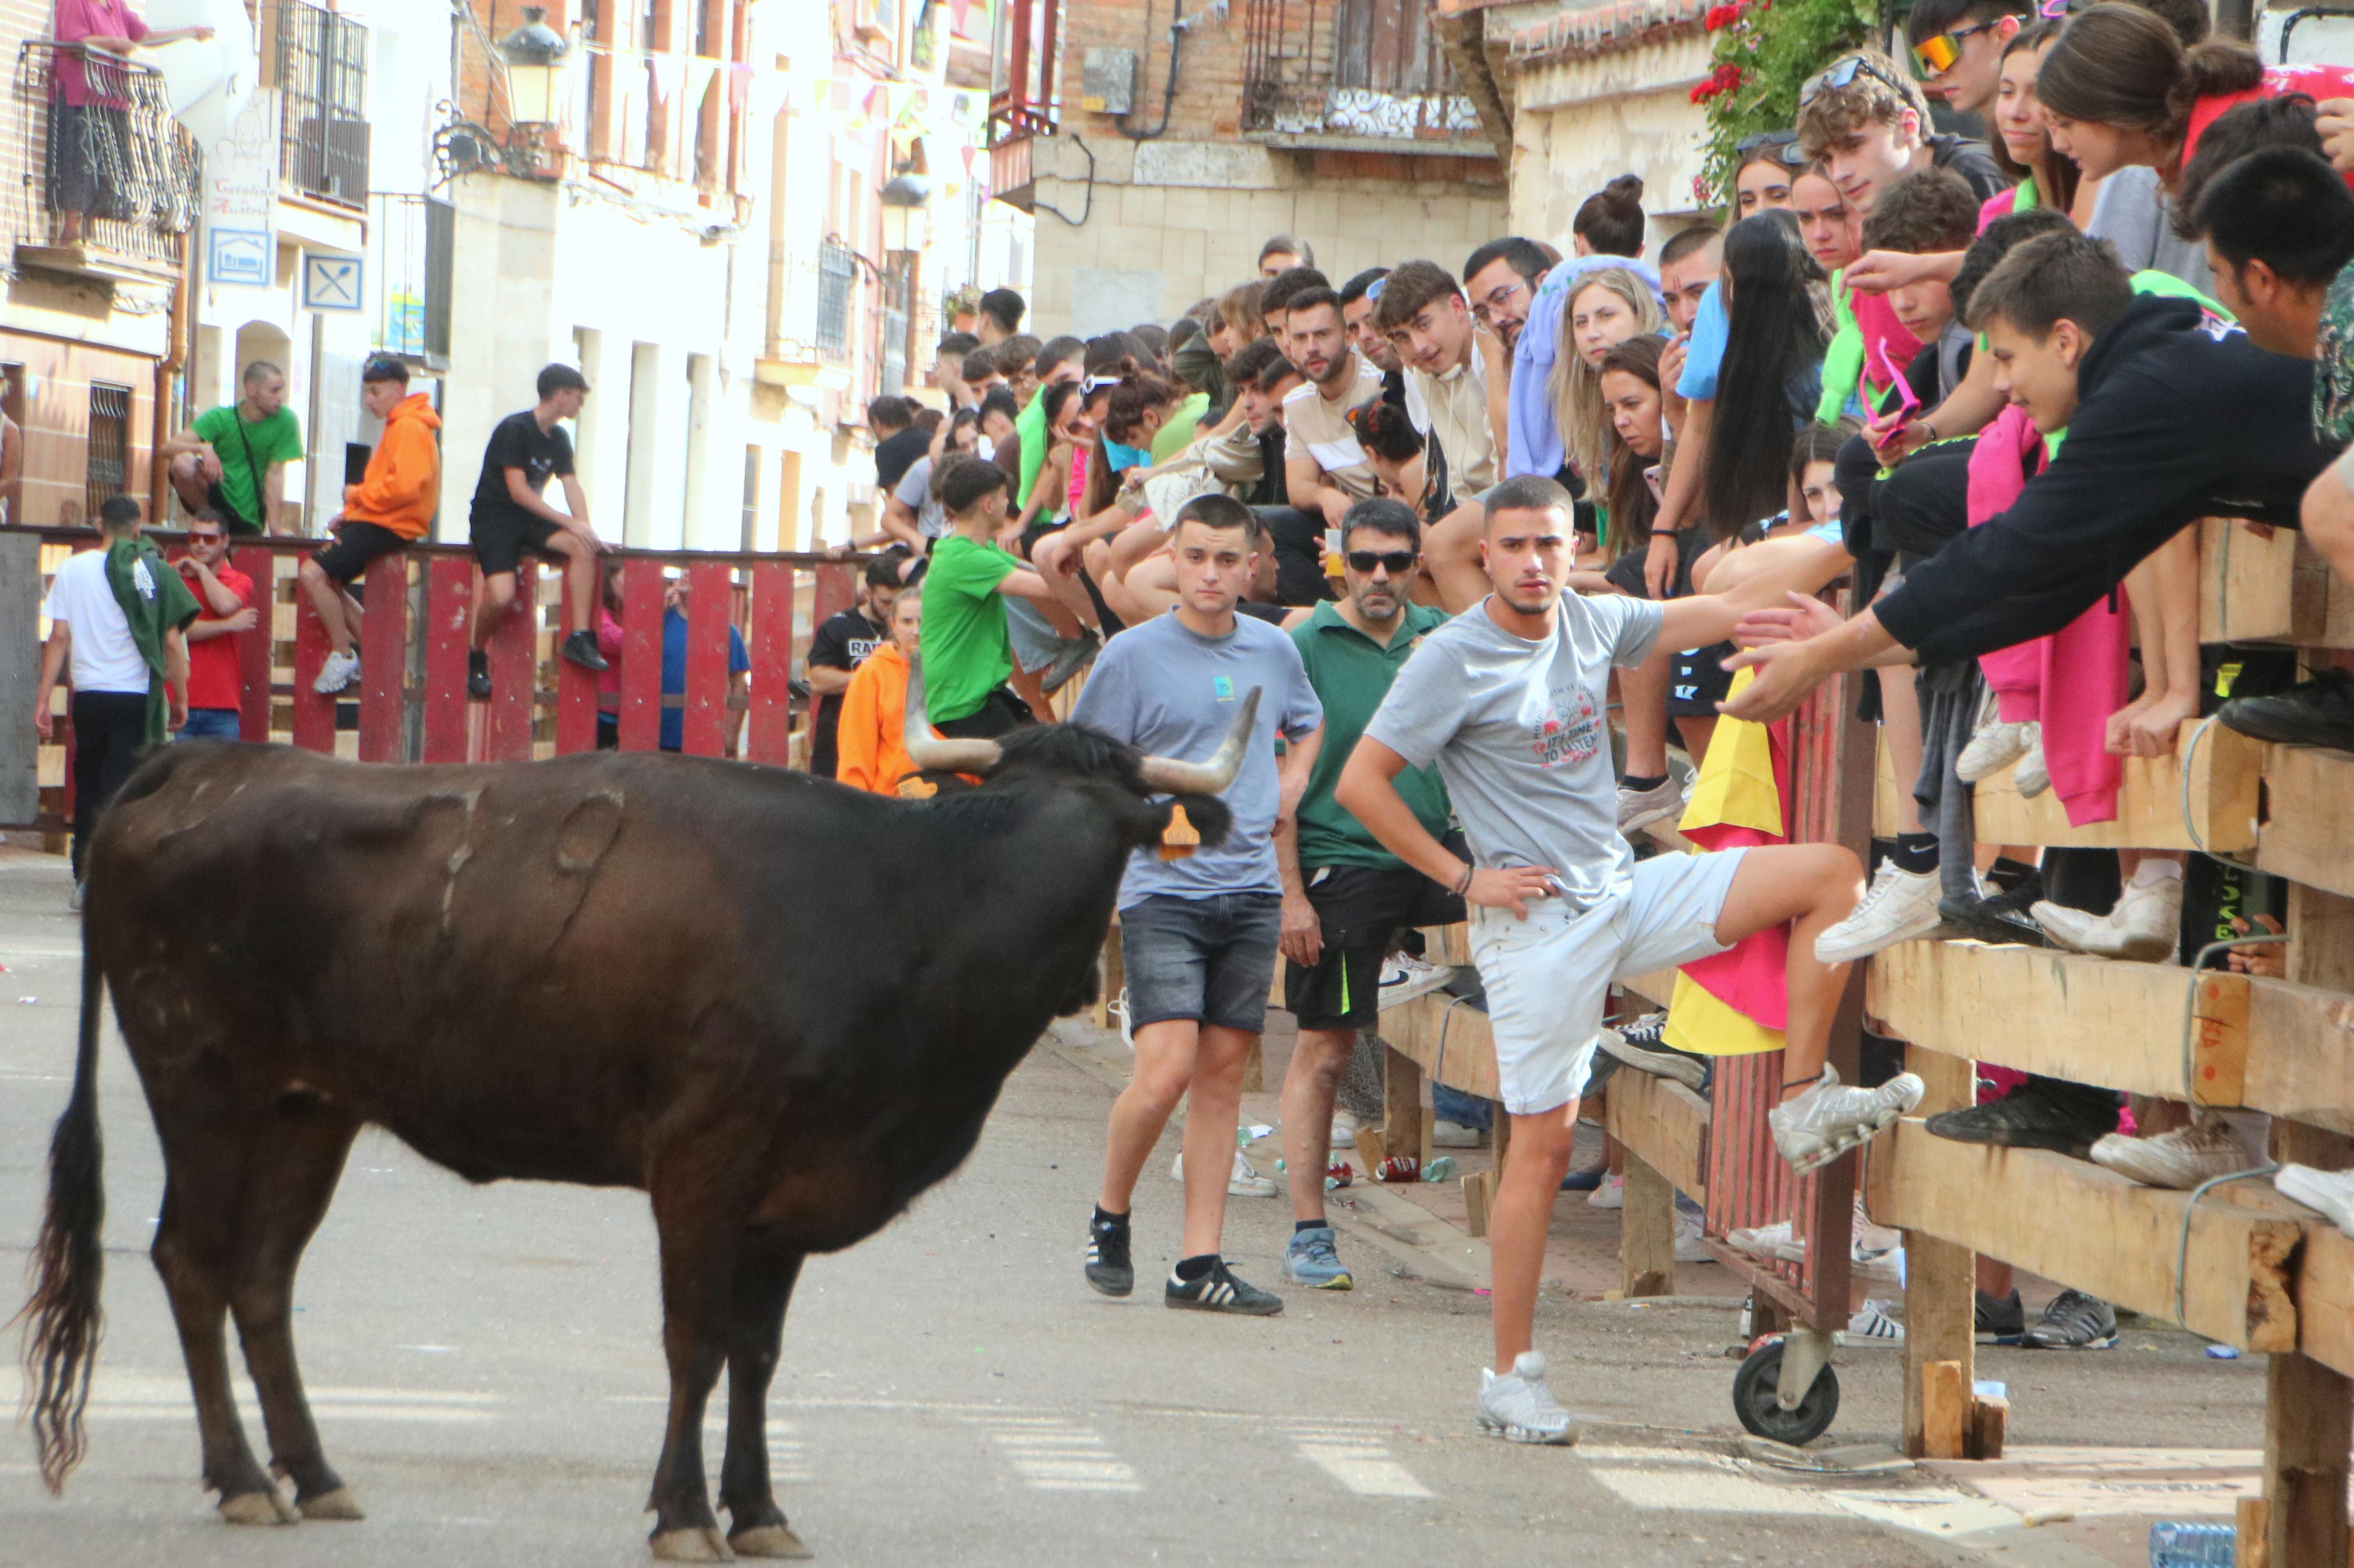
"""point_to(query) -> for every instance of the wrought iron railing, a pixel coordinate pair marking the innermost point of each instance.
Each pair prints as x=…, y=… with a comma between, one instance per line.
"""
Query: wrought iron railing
x=837, y=286
x=323, y=84
x=894, y=356
x=1353, y=68
x=120, y=160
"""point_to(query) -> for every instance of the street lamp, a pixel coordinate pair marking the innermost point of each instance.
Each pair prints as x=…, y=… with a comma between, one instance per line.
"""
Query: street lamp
x=906, y=211
x=533, y=54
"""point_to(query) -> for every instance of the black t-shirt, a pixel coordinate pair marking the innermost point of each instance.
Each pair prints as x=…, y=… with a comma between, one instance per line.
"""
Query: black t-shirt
x=1272, y=614
x=519, y=442
x=895, y=455
x=841, y=642
x=1971, y=161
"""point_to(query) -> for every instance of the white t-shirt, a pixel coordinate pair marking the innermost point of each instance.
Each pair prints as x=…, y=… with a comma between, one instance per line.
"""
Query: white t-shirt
x=105, y=659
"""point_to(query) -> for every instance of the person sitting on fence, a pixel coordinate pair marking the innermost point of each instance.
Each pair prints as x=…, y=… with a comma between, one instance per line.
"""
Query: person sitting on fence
x=967, y=653
x=873, y=748
x=233, y=459
x=392, y=504
x=511, y=515
x=842, y=642
x=216, y=680
x=90, y=145
x=676, y=627
x=119, y=616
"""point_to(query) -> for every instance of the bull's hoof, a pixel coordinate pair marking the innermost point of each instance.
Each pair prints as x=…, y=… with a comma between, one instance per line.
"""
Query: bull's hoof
x=703, y=1545
x=769, y=1540
x=259, y=1507
x=338, y=1504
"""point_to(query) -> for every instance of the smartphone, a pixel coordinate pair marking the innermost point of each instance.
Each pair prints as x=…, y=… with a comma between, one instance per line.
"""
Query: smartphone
x=1652, y=478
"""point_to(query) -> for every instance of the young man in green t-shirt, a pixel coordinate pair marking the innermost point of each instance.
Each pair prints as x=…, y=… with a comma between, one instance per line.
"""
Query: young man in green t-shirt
x=233, y=459
x=967, y=657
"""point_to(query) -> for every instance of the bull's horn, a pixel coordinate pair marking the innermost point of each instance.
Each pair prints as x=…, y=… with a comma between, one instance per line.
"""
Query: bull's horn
x=926, y=749
x=1209, y=778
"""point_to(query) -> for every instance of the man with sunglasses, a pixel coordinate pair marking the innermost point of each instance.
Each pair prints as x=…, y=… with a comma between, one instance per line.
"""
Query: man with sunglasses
x=1957, y=46
x=216, y=681
x=1345, y=897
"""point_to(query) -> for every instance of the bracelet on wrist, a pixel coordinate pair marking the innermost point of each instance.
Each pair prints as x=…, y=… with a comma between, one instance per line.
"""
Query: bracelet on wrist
x=1463, y=884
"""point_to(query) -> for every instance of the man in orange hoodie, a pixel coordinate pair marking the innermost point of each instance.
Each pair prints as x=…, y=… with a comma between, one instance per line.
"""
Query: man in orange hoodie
x=392, y=504
x=871, y=750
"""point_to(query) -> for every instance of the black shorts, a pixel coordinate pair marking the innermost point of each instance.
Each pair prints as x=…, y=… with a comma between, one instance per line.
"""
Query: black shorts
x=238, y=522
x=1361, y=908
x=500, y=543
x=1000, y=712
x=356, y=544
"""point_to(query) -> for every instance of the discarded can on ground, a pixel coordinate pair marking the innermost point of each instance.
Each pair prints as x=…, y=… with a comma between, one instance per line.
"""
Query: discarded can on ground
x=1398, y=1168
x=2184, y=1544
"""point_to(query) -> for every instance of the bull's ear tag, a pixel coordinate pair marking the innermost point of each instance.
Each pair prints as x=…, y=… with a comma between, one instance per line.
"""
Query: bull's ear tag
x=912, y=787
x=1181, y=837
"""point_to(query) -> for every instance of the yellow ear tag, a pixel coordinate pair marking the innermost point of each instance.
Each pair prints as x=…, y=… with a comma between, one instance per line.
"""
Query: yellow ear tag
x=912, y=787
x=1181, y=837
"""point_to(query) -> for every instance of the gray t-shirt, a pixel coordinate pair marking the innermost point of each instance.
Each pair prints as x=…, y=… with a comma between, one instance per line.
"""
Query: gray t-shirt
x=1520, y=733
x=1173, y=692
x=914, y=492
x=2132, y=213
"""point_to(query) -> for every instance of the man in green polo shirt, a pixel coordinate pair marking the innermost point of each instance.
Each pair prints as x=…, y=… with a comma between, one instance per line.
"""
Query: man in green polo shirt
x=967, y=657
x=234, y=458
x=1344, y=896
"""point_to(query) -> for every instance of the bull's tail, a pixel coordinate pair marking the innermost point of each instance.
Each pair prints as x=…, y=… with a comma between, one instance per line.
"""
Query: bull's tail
x=63, y=1318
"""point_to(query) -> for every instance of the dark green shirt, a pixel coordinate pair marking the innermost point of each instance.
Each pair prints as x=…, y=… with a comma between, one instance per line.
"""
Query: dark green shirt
x=1352, y=673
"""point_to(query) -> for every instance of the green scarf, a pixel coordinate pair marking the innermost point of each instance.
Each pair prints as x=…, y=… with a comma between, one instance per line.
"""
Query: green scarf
x=154, y=601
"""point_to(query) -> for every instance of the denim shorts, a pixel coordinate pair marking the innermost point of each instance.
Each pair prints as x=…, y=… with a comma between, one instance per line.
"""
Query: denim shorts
x=211, y=724
x=1208, y=961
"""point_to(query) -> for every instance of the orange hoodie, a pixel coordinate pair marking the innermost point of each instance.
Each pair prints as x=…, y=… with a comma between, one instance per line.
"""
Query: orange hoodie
x=403, y=484
x=871, y=755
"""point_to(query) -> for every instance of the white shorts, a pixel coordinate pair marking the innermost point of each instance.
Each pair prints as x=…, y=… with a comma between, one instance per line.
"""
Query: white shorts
x=1546, y=976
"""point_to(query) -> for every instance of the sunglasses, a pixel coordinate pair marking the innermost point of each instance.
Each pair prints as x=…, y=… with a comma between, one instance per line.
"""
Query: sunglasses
x=1841, y=72
x=1398, y=563
x=1780, y=146
x=1373, y=289
x=1938, y=55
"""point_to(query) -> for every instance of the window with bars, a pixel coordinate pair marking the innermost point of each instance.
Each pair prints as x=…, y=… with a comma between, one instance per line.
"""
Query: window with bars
x=837, y=275
x=323, y=80
x=107, y=470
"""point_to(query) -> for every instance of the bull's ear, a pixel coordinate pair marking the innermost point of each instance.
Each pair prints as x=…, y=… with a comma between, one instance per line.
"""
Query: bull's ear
x=1207, y=815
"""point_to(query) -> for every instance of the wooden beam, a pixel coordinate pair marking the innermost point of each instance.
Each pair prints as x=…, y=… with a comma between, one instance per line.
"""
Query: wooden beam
x=1402, y=1118
x=1447, y=1038
x=2320, y=938
x=2308, y=1423
x=1664, y=1123
x=1940, y=1278
x=2276, y=590
x=1945, y=1410
x=2071, y=1221
x=1658, y=987
x=2325, y=1297
x=1647, y=1231
x=1448, y=944
x=2303, y=837
x=2097, y=1021
x=2225, y=776
x=1478, y=1197
x=1989, y=1421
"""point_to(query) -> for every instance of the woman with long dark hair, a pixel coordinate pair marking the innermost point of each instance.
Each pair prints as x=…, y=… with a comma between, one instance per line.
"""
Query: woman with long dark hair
x=2022, y=143
x=1772, y=373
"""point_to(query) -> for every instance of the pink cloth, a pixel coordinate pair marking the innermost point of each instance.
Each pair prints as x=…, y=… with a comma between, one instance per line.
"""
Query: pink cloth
x=1079, y=487
x=2072, y=681
x=608, y=643
x=80, y=20
x=2002, y=204
x=1876, y=319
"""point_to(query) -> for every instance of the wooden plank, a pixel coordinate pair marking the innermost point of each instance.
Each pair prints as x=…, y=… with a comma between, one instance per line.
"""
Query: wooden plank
x=2225, y=776
x=2301, y=1065
x=2040, y=1010
x=2277, y=590
x=576, y=690
x=1663, y=1122
x=2325, y=1297
x=1990, y=1422
x=1448, y=944
x=1944, y=1409
x=1940, y=1278
x=1658, y=987
x=1478, y=1197
x=2073, y=1221
x=2303, y=836
x=253, y=651
x=20, y=672
x=2308, y=1423
x=451, y=584
x=1402, y=1118
x=771, y=730
x=384, y=659
x=1647, y=1231
x=2321, y=939
x=314, y=715
x=836, y=590
x=515, y=671
x=1447, y=1038
x=709, y=601
x=641, y=650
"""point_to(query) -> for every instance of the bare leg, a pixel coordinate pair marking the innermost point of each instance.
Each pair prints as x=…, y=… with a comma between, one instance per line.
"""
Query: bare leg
x=1520, y=1218
x=188, y=483
x=498, y=598
x=2169, y=654
x=1643, y=701
x=1697, y=731
x=1814, y=887
x=1164, y=1066
x=1309, y=1086
x=764, y=1287
x=579, y=578
x=1213, y=1109
x=1900, y=726
x=326, y=597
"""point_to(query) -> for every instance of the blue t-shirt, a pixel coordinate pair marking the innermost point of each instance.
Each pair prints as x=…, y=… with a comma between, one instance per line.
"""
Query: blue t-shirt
x=674, y=720
x=1705, y=353
x=1173, y=692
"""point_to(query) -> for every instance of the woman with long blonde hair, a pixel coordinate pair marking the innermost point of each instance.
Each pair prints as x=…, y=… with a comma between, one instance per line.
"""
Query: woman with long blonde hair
x=1609, y=306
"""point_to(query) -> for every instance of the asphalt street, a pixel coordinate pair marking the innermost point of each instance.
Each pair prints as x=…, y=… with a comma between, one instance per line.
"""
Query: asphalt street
x=486, y=1374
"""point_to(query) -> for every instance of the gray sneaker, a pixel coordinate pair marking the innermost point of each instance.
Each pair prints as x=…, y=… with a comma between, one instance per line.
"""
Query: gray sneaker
x=1638, y=809
x=1830, y=1118
x=1520, y=1408
x=1313, y=1261
x=2074, y=1321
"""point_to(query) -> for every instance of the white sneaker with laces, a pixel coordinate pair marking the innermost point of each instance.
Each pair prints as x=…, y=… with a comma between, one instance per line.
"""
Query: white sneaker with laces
x=1244, y=1182
x=1774, y=1241
x=1452, y=1135
x=1898, y=907
x=340, y=670
x=2032, y=775
x=2331, y=1191
x=1344, y=1132
x=1610, y=1193
x=1831, y=1118
x=1520, y=1408
x=1405, y=977
x=2181, y=1159
x=2145, y=926
x=1871, y=1325
x=1994, y=747
x=1638, y=809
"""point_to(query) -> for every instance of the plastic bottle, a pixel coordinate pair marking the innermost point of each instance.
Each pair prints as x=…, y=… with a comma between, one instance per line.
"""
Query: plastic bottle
x=2185, y=1544
x=1440, y=1169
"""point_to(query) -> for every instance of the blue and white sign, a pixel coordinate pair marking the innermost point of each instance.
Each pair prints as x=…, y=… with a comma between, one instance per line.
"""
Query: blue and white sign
x=332, y=283
x=238, y=256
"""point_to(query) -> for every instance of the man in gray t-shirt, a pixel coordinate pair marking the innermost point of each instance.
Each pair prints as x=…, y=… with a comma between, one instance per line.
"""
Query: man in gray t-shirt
x=1508, y=700
x=1197, y=933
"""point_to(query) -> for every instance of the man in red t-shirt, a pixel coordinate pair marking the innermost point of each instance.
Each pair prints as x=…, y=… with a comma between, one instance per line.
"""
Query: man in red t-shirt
x=216, y=685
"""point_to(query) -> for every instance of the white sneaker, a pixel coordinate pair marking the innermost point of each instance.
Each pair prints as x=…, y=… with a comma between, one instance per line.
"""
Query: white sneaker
x=1246, y=1182
x=2181, y=1159
x=1520, y=1408
x=1344, y=1132
x=1405, y=977
x=1638, y=809
x=1610, y=1193
x=1688, y=1243
x=73, y=899
x=1994, y=745
x=2032, y=776
x=1873, y=1252
x=1871, y=1325
x=1449, y=1134
x=2331, y=1191
x=340, y=670
x=1898, y=907
x=1830, y=1118
x=2145, y=926
x=1776, y=1241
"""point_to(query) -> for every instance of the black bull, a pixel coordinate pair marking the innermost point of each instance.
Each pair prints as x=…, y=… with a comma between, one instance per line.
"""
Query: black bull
x=781, y=1008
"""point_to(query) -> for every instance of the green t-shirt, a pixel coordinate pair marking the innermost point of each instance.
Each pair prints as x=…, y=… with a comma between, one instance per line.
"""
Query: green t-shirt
x=1352, y=673
x=1173, y=437
x=277, y=438
x=1030, y=426
x=966, y=654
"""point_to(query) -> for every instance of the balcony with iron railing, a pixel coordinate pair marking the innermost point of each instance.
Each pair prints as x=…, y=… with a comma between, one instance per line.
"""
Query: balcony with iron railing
x=820, y=315
x=321, y=61
x=1369, y=74
x=110, y=187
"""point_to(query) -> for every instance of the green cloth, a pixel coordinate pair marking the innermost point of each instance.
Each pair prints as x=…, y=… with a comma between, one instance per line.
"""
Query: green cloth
x=966, y=654
x=1843, y=360
x=2173, y=287
x=1352, y=673
x=1030, y=426
x=1195, y=363
x=275, y=440
x=1178, y=433
x=154, y=600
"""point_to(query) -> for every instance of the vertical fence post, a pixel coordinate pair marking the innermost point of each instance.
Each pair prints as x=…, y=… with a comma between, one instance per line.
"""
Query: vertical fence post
x=771, y=720
x=256, y=664
x=314, y=715
x=641, y=651
x=576, y=688
x=837, y=587
x=384, y=658
x=449, y=612
x=515, y=671
x=709, y=604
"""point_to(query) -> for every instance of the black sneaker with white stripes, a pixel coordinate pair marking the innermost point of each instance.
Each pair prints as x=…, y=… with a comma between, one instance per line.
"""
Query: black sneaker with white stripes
x=1108, y=1268
x=1221, y=1290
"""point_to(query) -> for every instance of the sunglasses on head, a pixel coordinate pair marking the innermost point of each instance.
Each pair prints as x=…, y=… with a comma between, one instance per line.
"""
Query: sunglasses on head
x=1398, y=563
x=1373, y=289
x=1840, y=73
x=1938, y=55
x=1780, y=146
